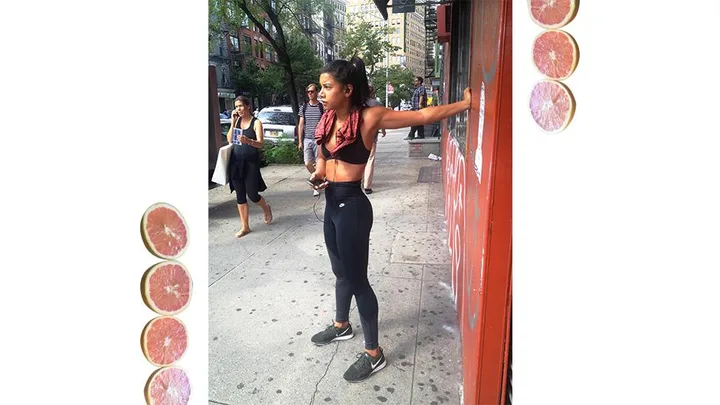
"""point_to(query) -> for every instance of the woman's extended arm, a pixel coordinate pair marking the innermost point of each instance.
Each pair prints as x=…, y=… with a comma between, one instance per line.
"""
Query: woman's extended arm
x=380, y=117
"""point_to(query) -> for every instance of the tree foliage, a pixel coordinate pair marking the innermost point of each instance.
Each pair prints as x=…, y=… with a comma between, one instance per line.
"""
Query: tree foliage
x=366, y=41
x=402, y=80
x=247, y=79
x=284, y=17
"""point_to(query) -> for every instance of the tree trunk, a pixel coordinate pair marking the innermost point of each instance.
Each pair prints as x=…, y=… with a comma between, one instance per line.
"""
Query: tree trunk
x=290, y=85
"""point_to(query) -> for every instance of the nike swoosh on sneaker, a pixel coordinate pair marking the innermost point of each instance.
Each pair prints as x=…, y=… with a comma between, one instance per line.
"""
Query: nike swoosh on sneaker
x=345, y=331
x=375, y=364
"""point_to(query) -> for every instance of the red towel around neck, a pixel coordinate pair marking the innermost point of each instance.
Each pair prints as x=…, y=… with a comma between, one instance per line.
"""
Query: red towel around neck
x=347, y=133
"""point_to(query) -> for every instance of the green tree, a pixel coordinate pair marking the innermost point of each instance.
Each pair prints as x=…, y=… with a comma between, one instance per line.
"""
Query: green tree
x=402, y=80
x=282, y=15
x=305, y=62
x=247, y=79
x=366, y=41
x=272, y=81
x=269, y=83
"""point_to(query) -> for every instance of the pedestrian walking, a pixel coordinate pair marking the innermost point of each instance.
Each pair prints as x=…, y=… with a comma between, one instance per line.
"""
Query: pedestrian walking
x=246, y=136
x=370, y=166
x=310, y=114
x=345, y=135
x=418, y=101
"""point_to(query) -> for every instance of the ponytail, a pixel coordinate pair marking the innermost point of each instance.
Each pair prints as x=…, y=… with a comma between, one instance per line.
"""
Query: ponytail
x=351, y=73
x=359, y=81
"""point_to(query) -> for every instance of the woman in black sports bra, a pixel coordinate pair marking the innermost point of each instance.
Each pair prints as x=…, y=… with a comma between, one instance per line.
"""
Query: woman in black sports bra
x=346, y=134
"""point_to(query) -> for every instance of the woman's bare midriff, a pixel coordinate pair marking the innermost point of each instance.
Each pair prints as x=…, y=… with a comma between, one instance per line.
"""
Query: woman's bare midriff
x=337, y=170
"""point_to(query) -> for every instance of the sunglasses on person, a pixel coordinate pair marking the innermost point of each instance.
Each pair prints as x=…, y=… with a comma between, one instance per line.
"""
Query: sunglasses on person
x=312, y=91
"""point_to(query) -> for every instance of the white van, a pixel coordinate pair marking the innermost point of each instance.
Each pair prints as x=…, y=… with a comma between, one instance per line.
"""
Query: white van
x=278, y=124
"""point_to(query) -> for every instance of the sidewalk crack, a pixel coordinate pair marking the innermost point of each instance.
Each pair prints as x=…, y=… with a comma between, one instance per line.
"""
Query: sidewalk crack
x=337, y=347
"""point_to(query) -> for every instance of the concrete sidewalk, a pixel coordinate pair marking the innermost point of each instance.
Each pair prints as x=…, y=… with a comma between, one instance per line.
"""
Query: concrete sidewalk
x=273, y=289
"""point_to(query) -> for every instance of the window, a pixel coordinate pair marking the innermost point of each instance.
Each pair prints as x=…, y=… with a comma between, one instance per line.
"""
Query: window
x=268, y=53
x=459, y=65
x=245, y=22
x=248, y=45
x=235, y=43
x=277, y=118
x=267, y=26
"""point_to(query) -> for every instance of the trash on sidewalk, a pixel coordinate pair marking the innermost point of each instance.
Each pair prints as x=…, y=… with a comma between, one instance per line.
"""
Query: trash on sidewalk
x=433, y=156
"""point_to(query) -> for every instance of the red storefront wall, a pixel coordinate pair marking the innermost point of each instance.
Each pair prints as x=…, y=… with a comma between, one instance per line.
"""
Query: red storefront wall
x=478, y=208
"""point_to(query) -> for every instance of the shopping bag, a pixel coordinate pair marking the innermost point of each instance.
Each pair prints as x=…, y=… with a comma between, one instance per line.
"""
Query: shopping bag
x=223, y=159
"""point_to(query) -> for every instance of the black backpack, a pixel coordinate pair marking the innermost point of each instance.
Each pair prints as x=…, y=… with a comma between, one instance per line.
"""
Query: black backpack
x=304, y=108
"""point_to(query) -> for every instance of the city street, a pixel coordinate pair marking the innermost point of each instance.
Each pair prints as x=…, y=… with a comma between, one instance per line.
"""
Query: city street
x=273, y=289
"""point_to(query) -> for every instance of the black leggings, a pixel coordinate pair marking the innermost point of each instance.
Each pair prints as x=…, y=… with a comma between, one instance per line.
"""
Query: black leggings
x=249, y=184
x=348, y=220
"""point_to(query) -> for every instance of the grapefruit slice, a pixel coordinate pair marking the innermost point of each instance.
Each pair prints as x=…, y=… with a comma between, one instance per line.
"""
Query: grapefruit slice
x=552, y=105
x=555, y=54
x=166, y=287
x=167, y=386
x=164, y=231
x=552, y=14
x=164, y=340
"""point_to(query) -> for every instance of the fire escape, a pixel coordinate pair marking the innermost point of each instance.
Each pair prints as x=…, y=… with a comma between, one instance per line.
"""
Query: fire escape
x=430, y=40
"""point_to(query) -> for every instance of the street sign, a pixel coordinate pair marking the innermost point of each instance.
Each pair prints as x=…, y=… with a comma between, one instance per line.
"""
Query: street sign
x=390, y=89
x=403, y=6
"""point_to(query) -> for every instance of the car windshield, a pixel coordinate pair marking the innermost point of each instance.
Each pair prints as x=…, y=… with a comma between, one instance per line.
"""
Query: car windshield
x=276, y=117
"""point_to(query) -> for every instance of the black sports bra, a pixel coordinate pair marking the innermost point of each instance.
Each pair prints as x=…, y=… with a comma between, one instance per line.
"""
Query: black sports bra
x=356, y=153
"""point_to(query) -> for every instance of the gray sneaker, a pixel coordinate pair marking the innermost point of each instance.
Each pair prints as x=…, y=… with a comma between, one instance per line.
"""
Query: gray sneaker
x=365, y=366
x=331, y=334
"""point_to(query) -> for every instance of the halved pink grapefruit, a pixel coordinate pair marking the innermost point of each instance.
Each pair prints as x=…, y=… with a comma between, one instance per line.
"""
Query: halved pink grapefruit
x=166, y=287
x=555, y=54
x=168, y=386
x=552, y=14
x=164, y=231
x=552, y=105
x=164, y=340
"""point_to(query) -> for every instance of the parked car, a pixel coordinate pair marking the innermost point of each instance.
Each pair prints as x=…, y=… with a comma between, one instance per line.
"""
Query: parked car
x=224, y=128
x=278, y=124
